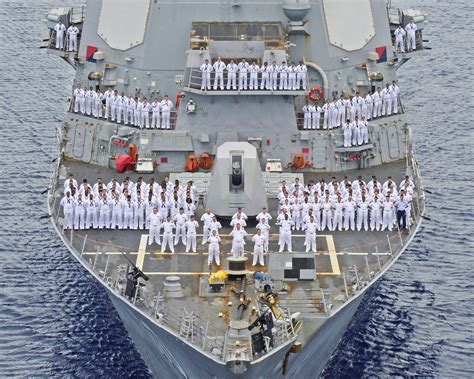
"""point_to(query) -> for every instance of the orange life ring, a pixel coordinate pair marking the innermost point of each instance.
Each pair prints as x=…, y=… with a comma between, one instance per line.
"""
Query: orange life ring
x=205, y=161
x=191, y=163
x=312, y=96
x=298, y=161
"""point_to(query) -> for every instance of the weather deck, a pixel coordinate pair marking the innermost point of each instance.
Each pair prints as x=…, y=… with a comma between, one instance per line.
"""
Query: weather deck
x=342, y=260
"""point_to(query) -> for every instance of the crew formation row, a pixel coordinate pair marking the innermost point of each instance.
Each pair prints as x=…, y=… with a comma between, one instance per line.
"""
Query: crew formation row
x=335, y=113
x=120, y=107
x=253, y=77
x=348, y=204
x=315, y=207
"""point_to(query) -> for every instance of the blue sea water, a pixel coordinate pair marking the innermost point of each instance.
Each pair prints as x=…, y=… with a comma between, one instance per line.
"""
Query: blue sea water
x=56, y=322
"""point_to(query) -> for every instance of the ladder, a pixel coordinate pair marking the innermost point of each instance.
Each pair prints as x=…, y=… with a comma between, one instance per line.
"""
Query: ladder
x=186, y=325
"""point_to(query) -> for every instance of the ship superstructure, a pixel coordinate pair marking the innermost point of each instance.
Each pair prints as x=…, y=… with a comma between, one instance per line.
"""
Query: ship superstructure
x=237, y=146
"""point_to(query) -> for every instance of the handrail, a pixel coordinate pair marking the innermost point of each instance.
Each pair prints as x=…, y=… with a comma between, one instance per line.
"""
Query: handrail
x=195, y=76
x=173, y=118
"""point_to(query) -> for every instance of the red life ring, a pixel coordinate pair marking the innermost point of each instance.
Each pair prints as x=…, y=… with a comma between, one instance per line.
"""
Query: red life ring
x=312, y=96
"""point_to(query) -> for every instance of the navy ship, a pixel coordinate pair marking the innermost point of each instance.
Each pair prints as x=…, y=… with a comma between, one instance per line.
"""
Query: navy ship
x=211, y=111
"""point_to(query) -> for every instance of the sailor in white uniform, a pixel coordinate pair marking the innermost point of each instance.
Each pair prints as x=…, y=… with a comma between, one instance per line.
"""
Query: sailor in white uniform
x=72, y=33
x=338, y=207
x=285, y=233
x=213, y=252
x=79, y=212
x=333, y=114
x=265, y=83
x=113, y=106
x=306, y=116
x=254, y=70
x=130, y=114
x=117, y=213
x=60, y=29
x=206, y=70
x=310, y=235
x=108, y=95
x=89, y=97
x=128, y=209
x=387, y=100
x=231, y=75
x=104, y=212
x=387, y=214
x=362, y=213
x=206, y=219
x=326, y=110
x=411, y=29
x=349, y=213
x=139, y=213
x=264, y=227
x=395, y=92
x=97, y=104
x=316, y=116
x=67, y=202
x=327, y=214
x=301, y=71
x=369, y=101
x=264, y=214
x=137, y=112
x=274, y=70
x=191, y=226
x=399, y=39
x=155, y=114
x=258, y=247
x=145, y=114
x=79, y=99
x=166, y=106
x=341, y=111
x=219, y=68
x=377, y=97
x=363, y=132
x=167, y=227
x=355, y=128
x=92, y=210
x=292, y=76
x=238, y=240
x=121, y=107
x=347, y=132
x=283, y=70
x=243, y=68
x=154, y=220
x=180, y=219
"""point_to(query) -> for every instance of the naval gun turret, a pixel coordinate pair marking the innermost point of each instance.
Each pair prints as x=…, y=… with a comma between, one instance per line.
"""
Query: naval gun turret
x=236, y=180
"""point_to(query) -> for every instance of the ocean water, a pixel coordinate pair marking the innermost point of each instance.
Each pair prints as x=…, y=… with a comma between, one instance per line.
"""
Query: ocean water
x=56, y=322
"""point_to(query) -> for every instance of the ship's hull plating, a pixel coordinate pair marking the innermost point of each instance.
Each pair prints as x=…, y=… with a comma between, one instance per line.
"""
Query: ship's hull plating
x=164, y=353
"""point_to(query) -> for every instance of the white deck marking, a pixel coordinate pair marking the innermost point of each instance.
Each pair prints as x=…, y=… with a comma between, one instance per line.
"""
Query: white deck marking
x=141, y=251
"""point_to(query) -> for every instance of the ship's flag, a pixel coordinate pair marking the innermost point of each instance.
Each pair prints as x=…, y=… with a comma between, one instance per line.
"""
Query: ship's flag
x=382, y=52
x=90, y=53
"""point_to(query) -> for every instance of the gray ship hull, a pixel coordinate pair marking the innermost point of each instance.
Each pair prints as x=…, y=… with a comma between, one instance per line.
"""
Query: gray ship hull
x=164, y=353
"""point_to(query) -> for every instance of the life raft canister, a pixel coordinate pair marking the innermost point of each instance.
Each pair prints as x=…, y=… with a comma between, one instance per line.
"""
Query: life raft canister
x=298, y=161
x=191, y=163
x=312, y=94
x=205, y=161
